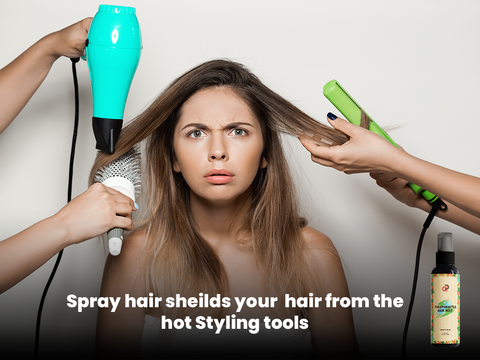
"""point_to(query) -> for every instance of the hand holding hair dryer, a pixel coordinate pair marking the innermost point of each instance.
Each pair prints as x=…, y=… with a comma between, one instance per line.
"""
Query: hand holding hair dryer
x=113, y=49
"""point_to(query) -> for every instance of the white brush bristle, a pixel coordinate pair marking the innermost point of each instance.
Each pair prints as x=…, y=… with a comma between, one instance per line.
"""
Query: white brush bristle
x=126, y=166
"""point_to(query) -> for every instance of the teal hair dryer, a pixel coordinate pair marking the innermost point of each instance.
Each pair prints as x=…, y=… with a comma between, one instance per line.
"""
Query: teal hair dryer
x=113, y=49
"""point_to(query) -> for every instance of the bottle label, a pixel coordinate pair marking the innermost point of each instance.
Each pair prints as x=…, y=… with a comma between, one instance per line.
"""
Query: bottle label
x=445, y=314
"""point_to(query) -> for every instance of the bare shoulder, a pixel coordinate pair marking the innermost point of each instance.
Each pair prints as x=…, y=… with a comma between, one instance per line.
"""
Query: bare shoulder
x=325, y=262
x=314, y=239
x=319, y=246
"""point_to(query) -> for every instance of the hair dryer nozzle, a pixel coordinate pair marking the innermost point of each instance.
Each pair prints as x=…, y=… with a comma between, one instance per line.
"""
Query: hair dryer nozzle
x=106, y=133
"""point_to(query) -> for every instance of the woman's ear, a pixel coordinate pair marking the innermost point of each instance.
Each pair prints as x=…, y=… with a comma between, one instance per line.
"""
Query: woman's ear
x=176, y=166
x=263, y=163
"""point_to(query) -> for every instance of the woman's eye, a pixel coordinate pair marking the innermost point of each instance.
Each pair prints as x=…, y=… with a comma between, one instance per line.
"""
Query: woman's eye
x=238, y=132
x=196, y=134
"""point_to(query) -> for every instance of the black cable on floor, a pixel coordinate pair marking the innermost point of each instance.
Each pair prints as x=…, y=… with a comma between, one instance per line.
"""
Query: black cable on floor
x=69, y=197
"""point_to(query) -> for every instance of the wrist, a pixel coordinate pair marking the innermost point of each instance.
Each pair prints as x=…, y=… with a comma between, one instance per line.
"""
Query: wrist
x=48, y=47
x=397, y=163
x=421, y=203
x=61, y=230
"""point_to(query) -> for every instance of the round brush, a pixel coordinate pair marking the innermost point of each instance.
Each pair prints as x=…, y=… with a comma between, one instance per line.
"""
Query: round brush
x=123, y=175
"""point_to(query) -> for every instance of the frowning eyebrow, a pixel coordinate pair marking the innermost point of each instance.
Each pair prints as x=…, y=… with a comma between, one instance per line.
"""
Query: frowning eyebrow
x=228, y=126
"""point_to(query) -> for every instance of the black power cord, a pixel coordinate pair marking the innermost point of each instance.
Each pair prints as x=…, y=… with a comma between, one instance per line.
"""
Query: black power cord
x=69, y=198
x=436, y=205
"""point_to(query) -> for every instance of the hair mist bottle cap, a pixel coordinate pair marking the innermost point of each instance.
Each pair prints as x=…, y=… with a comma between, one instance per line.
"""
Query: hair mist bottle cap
x=445, y=254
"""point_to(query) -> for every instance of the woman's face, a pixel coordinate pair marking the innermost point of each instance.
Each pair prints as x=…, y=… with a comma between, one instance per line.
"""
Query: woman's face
x=218, y=145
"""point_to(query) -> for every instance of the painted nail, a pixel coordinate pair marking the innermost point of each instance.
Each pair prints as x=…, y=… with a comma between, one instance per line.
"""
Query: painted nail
x=136, y=206
x=331, y=116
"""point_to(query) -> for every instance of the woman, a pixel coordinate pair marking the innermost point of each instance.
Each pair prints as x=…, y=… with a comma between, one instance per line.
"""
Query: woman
x=223, y=219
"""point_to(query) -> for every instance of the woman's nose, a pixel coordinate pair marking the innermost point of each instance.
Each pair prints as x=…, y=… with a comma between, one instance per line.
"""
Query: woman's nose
x=218, y=148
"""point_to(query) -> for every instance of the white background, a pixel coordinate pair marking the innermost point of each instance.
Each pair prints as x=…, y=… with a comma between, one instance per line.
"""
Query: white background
x=412, y=64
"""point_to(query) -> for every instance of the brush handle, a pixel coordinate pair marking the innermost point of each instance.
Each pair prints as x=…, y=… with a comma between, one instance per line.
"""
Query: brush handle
x=115, y=241
x=115, y=235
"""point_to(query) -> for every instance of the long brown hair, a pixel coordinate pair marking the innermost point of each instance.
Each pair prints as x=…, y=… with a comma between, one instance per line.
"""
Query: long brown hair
x=179, y=260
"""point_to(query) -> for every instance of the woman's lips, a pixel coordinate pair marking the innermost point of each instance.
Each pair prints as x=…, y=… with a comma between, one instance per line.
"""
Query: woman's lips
x=219, y=176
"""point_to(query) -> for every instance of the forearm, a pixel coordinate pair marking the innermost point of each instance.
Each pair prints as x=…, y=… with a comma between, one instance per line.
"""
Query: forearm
x=459, y=189
x=454, y=215
x=23, y=253
x=21, y=78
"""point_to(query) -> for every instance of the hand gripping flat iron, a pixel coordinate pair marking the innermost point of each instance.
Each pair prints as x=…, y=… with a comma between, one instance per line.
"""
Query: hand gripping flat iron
x=342, y=100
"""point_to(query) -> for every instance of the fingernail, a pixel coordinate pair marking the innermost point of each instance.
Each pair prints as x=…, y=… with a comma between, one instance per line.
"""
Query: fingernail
x=136, y=206
x=331, y=116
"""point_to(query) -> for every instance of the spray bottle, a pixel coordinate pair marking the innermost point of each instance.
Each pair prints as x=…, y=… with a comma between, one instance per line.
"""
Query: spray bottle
x=445, y=299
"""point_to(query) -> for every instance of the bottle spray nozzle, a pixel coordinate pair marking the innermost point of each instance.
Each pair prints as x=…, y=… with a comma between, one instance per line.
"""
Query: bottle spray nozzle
x=445, y=242
x=445, y=254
